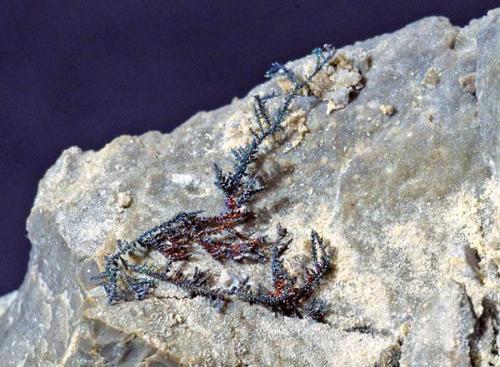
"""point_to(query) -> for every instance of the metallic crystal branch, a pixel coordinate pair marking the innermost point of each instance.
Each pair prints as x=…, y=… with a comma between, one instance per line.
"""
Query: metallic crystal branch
x=218, y=236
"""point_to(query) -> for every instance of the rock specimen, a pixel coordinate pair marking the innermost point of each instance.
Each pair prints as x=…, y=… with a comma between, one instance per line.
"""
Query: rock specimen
x=392, y=155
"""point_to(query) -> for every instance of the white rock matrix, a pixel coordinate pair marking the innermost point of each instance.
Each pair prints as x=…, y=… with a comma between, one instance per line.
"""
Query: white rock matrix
x=392, y=156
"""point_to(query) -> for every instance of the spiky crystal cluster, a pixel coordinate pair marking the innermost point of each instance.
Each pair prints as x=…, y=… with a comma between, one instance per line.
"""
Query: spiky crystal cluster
x=219, y=236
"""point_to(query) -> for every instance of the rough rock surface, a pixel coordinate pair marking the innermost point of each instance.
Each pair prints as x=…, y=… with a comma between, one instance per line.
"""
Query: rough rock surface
x=392, y=157
x=441, y=331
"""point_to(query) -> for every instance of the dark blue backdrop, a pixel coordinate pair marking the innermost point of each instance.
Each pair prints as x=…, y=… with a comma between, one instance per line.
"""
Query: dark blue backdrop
x=83, y=72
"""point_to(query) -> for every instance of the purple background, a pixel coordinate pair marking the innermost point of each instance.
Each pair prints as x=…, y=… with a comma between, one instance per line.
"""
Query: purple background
x=83, y=72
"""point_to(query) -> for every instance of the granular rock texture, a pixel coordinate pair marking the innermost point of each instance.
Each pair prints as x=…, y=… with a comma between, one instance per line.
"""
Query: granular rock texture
x=391, y=155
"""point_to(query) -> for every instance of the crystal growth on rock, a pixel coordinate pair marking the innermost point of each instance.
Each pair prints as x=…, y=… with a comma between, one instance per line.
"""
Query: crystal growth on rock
x=219, y=236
